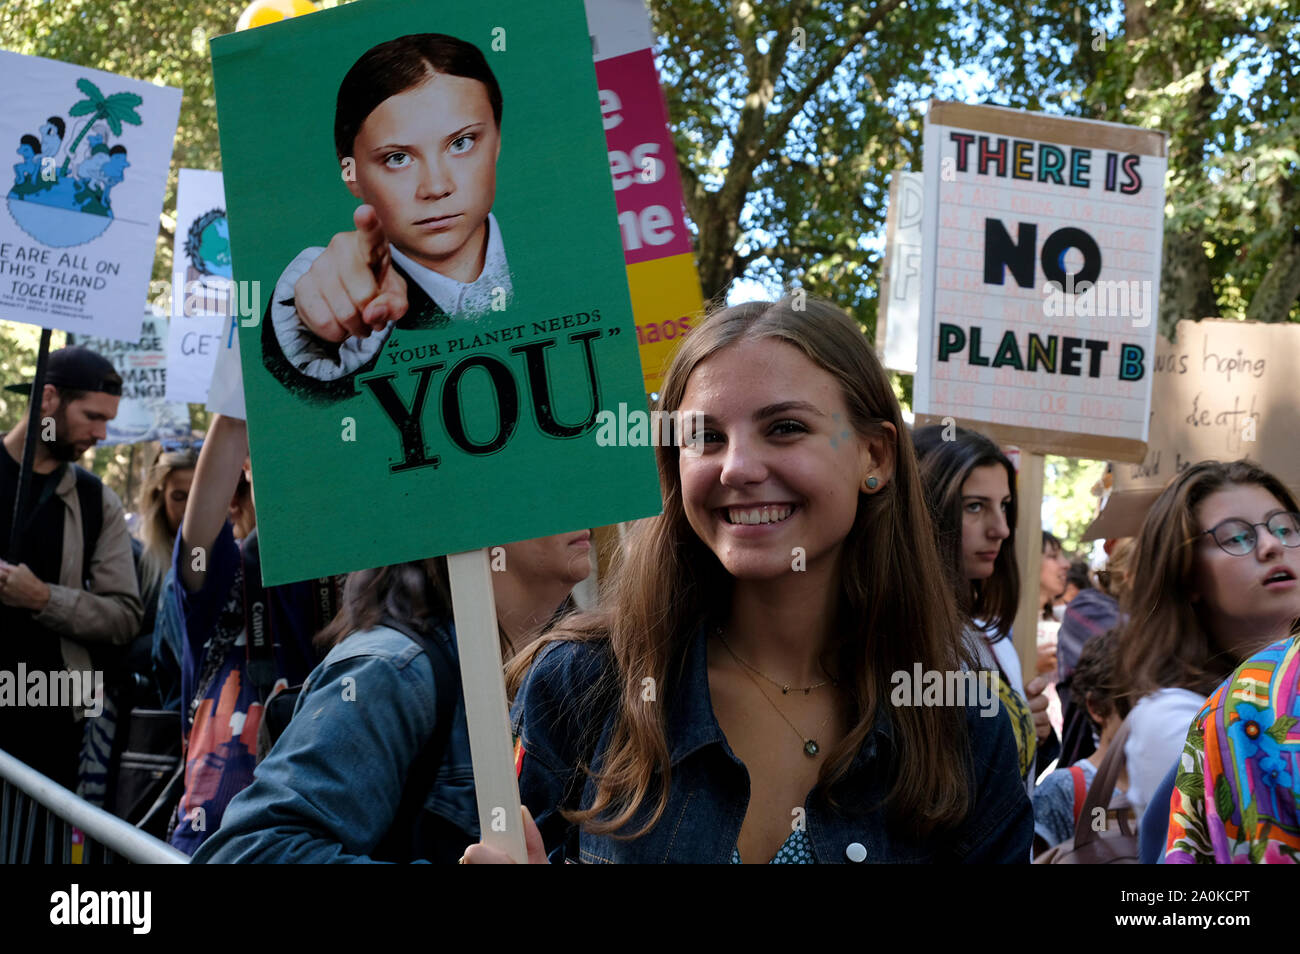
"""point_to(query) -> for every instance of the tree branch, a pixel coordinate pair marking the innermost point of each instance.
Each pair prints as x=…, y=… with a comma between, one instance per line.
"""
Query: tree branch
x=778, y=127
x=692, y=191
x=1279, y=289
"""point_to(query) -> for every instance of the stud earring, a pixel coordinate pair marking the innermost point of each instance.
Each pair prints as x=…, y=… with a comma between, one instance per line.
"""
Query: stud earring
x=872, y=483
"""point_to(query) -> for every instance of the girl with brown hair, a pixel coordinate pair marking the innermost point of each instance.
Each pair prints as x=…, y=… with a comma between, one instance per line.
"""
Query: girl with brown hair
x=731, y=700
x=970, y=485
x=1215, y=576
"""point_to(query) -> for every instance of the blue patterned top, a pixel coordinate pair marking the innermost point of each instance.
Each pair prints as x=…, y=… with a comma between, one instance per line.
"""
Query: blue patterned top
x=796, y=850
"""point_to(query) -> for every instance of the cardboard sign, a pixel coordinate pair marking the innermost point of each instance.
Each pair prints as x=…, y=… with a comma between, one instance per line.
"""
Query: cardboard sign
x=201, y=284
x=471, y=420
x=1042, y=275
x=899, y=310
x=144, y=413
x=82, y=205
x=1223, y=390
x=661, y=274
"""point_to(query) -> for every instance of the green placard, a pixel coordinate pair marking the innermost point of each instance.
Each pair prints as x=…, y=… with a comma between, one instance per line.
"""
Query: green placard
x=472, y=420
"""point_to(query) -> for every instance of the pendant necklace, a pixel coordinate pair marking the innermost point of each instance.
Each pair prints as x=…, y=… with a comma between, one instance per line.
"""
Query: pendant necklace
x=810, y=746
x=784, y=687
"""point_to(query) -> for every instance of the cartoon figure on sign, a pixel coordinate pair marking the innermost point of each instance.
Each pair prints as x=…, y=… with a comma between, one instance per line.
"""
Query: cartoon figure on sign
x=417, y=132
x=61, y=207
x=98, y=174
x=90, y=133
x=30, y=167
x=52, y=136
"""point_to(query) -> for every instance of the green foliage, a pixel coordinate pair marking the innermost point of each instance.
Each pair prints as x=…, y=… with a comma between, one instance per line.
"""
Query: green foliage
x=1067, y=491
x=1223, y=798
x=1218, y=76
x=18, y=344
x=1191, y=784
x=115, y=110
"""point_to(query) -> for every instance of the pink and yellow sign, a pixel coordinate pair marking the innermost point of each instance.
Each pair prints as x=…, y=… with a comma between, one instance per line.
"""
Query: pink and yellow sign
x=661, y=275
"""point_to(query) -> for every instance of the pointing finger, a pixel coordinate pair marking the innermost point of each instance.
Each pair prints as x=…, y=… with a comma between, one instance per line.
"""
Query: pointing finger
x=374, y=242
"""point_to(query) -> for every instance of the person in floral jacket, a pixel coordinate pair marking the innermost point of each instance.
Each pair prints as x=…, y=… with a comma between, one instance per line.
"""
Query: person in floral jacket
x=1238, y=786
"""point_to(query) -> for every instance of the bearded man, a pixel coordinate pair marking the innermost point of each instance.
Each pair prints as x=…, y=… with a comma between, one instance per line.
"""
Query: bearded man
x=71, y=583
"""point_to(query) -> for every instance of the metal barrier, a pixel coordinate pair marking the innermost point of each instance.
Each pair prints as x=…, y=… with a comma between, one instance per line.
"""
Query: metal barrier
x=30, y=802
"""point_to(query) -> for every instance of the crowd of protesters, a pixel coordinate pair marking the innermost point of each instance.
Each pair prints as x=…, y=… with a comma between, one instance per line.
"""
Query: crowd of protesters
x=324, y=720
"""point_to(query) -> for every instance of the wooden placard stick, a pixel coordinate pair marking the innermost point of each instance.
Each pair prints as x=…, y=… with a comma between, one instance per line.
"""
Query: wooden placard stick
x=490, y=743
x=1029, y=556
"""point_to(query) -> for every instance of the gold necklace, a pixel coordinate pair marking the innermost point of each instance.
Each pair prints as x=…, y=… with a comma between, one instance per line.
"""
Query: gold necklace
x=784, y=687
x=810, y=746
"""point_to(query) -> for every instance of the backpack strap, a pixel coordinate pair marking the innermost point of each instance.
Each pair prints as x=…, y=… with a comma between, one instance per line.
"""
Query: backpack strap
x=90, y=495
x=1103, y=784
x=1080, y=791
x=402, y=836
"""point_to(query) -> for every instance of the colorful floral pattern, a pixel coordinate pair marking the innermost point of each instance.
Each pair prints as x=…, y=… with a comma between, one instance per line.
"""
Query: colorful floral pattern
x=1235, y=795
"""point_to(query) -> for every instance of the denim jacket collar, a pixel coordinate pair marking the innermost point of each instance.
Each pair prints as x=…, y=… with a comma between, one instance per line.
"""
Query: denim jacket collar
x=692, y=724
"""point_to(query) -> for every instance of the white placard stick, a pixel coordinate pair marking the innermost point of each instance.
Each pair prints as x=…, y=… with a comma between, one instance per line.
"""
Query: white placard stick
x=490, y=744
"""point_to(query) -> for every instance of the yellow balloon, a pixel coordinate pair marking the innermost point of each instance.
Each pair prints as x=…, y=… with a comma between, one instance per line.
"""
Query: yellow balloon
x=261, y=12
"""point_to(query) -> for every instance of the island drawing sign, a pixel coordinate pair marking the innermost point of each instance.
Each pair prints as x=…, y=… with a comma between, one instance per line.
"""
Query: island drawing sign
x=82, y=206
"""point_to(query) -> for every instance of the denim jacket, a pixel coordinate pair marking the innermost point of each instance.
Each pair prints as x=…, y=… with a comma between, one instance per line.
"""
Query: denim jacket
x=329, y=789
x=560, y=725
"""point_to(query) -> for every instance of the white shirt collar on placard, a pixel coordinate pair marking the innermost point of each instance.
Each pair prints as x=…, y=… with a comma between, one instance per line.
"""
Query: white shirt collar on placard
x=460, y=298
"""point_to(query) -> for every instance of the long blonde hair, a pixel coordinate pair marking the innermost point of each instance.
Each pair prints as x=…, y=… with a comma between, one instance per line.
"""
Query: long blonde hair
x=154, y=531
x=895, y=609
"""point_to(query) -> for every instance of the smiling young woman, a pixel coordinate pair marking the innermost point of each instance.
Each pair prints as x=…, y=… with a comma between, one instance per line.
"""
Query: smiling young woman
x=729, y=700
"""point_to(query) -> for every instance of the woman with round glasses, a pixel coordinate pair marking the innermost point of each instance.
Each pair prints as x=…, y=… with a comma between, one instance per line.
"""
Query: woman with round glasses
x=1215, y=577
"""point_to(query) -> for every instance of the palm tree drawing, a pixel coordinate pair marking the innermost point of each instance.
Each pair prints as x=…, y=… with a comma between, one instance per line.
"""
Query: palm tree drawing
x=114, y=110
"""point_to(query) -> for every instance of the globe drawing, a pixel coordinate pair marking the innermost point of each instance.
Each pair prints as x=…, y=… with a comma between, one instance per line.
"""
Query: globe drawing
x=59, y=223
x=208, y=244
